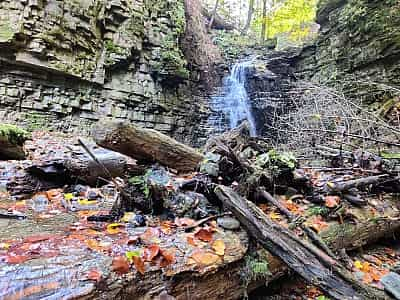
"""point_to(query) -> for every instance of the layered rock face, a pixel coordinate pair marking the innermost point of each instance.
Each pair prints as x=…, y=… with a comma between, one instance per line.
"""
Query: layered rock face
x=358, y=48
x=68, y=63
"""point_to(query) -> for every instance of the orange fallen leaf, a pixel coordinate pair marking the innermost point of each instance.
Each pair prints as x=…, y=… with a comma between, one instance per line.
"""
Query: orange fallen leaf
x=332, y=201
x=139, y=264
x=151, y=252
x=191, y=241
x=17, y=259
x=292, y=206
x=367, y=278
x=54, y=194
x=204, y=235
x=150, y=236
x=94, y=275
x=166, y=227
x=39, y=238
x=95, y=245
x=318, y=223
x=120, y=265
x=204, y=257
x=168, y=257
x=184, y=222
x=219, y=247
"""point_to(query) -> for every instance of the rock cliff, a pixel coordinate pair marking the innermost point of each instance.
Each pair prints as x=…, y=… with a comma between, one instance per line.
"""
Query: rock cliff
x=65, y=64
x=357, y=50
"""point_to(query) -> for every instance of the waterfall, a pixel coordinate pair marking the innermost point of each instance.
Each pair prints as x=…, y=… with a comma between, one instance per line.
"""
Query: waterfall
x=232, y=106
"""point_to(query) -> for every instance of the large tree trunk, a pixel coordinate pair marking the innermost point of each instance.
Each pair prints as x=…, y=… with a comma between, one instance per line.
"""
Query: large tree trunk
x=305, y=259
x=146, y=145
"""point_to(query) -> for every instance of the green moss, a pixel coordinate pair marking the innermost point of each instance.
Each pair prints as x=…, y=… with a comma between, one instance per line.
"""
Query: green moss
x=36, y=121
x=6, y=32
x=13, y=134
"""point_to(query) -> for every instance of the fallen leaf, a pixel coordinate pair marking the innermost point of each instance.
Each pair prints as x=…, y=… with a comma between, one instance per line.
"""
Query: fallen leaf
x=54, y=194
x=292, y=206
x=166, y=227
x=332, y=201
x=184, y=222
x=39, y=238
x=367, y=278
x=131, y=254
x=139, y=264
x=318, y=223
x=168, y=257
x=17, y=259
x=191, y=241
x=151, y=252
x=94, y=275
x=275, y=216
x=151, y=236
x=358, y=264
x=205, y=258
x=120, y=265
x=128, y=216
x=95, y=245
x=204, y=235
x=219, y=247
x=114, y=228
x=85, y=202
x=5, y=246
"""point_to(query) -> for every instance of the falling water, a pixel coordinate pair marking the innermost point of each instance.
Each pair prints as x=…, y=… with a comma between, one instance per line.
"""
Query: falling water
x=232, y=106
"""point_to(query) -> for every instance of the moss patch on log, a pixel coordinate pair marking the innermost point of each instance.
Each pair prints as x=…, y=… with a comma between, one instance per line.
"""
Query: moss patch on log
x=13, y=134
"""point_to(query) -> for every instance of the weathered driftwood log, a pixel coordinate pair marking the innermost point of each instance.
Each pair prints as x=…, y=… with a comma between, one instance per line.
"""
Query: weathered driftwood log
x=146, y=145
x=12, y=140
x=76, y=167
x=310, y=263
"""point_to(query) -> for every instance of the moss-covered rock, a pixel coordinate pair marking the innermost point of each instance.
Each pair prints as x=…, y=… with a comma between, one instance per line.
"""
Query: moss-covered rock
x=12, y=139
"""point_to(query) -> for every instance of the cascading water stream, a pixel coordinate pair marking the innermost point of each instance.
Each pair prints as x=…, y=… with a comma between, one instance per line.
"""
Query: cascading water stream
x=232, y=106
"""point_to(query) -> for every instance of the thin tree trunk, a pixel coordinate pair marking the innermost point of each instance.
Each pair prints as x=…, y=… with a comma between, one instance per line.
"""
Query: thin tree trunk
x=249, y=17
x=214, y=13
x=264, y=21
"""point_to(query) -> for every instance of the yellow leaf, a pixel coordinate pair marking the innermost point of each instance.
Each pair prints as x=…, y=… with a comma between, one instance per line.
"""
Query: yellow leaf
x=5, y=246
x=219, y=247
x=275, y=216
x=358, y=264
x=114, y=228
x=68, y=196
x=330, y=184
x=86, y=202
x=127, y=217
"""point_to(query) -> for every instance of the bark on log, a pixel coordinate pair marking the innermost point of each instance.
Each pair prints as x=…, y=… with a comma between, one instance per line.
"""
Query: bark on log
x=313, y=266
x=78, y=166
x=146, y=145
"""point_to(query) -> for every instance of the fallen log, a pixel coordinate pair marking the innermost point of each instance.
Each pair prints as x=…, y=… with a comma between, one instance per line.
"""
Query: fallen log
x=75, y=167
x=146, y=145
x=314, y=266
x=12, y=140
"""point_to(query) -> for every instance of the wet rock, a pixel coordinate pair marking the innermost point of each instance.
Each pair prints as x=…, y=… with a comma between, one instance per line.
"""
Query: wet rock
x=391, y=282
x=228, y=223
x=210, y=164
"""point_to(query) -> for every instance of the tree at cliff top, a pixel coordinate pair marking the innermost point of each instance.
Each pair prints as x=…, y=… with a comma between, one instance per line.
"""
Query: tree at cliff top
x=293, y=18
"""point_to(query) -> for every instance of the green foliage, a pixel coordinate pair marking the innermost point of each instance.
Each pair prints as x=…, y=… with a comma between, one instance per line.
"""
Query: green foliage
x=142, y=183
x=317, y=210
x=256, y=268
x=13, y=134
x=292, y=17
x=275, y=161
